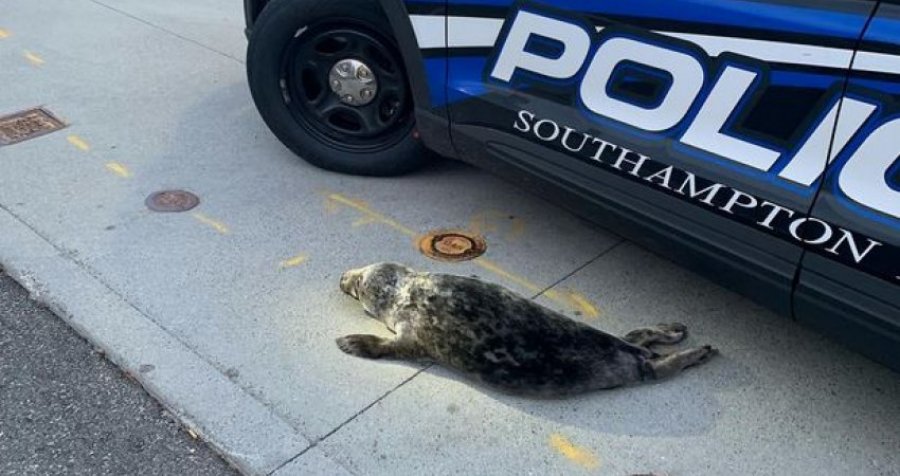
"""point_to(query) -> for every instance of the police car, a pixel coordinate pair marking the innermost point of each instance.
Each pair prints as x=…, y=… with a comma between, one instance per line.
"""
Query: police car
x=754, y=141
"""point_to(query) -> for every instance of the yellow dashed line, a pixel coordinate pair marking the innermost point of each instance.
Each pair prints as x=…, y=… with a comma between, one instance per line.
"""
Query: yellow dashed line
x=218, y=226
x=332, y=206
x=569, y=299
x=78, y=142
x=588, y=309
x=492, y=221
x=118, y=169
x=366, y=220
x=33, y=58
x=4, y=33
x=372, y=215
x=294, y=262
x=576, y=454
x=494, y=268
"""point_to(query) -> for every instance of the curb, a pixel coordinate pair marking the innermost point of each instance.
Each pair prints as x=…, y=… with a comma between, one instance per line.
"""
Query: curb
x=243, y=430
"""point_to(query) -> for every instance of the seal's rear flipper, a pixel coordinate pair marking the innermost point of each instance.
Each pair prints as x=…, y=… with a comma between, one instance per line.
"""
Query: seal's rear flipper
x=669, y=365
x=660, y=334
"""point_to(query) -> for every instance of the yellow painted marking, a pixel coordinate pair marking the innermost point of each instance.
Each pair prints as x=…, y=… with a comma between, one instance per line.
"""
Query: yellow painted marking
x=192, y=433
x=366, y=220
x=294, y=262
x=573, y=300
x=588, y=309
x=4, y=33
x=372, y=215
x=216, y=225
x=118, y=169
x=569, y=299
x=492, y=221
x=33, y=58
x=332, y=207
x=78, y=142
x=496, y=269
x=576, y=454
x=482, y=224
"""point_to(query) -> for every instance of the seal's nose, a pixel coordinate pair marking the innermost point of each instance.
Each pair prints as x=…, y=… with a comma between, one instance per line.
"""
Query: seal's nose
x=345, y=282
x=350, y=282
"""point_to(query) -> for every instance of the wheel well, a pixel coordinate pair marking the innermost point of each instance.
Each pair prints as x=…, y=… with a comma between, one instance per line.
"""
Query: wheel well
x=252, y=9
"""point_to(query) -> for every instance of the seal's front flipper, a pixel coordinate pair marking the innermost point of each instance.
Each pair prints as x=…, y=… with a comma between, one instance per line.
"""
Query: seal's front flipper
x=373, y=347
x=365, y=345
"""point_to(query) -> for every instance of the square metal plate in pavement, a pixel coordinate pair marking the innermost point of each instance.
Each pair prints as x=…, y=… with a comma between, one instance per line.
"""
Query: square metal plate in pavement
x=28, y=124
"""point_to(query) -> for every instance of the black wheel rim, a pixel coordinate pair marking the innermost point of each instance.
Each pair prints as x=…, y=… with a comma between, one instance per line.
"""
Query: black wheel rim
x=306, y=65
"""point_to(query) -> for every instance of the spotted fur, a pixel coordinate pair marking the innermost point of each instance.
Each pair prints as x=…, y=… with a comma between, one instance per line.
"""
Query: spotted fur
x=498, y=337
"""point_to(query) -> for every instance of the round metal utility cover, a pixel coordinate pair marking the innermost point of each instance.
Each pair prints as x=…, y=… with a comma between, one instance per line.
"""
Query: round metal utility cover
x=170, y=201
x=452, y=245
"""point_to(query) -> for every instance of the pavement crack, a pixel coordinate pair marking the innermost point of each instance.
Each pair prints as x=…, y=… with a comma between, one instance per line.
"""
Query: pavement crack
x=578, y=269
x=354, y=417
x=165, y=30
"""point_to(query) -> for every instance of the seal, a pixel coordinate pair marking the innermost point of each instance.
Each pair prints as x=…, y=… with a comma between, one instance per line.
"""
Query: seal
x=497, y=337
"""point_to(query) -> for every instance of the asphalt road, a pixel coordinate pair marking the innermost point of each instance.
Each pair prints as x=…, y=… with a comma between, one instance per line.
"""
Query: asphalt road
x=64, y=409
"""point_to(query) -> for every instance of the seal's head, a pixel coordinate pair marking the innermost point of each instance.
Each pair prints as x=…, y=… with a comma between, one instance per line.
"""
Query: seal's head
x=375, y=286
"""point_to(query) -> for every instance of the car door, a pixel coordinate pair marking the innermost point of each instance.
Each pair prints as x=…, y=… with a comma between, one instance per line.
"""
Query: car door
x=852, y=289
x=697, y=127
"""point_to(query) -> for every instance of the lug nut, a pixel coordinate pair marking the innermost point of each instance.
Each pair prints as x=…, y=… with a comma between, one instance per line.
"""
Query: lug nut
x=348, y=99
x=336, y=85
x=365, y=93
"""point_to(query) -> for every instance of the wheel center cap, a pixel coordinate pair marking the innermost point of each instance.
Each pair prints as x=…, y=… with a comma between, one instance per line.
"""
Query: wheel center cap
x=353, y=82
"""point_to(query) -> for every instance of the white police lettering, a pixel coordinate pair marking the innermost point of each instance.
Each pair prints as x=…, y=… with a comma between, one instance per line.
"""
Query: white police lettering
x=664, y=176
x=690, y=183
x=550, y=128
x=776, y=210
x=706, y=132
x=863, y=178
x=825, y=232
x=524, y=118
x=687, y=80
x=722, y=198
x=849, y=240
x=514, y=56
x=806, y=166
x=740, y=199
x=565, y=140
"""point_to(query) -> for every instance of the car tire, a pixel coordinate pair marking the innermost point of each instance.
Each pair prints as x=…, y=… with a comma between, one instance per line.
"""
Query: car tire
x=307, y=63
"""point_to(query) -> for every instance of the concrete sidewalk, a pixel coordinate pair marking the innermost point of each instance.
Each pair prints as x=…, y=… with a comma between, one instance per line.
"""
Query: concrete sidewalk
x=235, y=307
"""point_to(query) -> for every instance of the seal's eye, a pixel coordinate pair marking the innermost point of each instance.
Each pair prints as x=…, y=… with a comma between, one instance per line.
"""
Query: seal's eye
x=354, y=290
